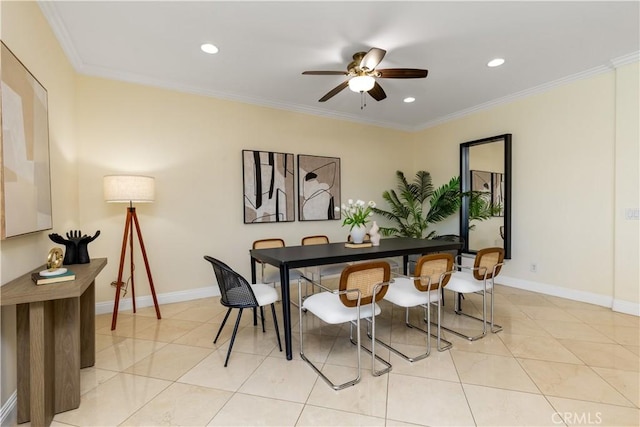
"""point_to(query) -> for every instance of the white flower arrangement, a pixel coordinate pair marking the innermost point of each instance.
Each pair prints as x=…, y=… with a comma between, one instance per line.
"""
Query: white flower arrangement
x=356, y=213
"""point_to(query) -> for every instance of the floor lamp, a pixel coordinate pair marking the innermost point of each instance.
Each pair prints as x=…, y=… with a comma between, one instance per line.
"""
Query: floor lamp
x=129, y=189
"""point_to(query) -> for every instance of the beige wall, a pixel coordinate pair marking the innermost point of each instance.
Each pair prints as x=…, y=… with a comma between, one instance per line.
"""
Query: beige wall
x=192, y=145
x=627, y=195
x=25, y=31
x=575, y=172
x=565, y=184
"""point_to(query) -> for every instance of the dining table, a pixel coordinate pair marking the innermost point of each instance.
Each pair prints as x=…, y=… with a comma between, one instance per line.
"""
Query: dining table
x=290, y=257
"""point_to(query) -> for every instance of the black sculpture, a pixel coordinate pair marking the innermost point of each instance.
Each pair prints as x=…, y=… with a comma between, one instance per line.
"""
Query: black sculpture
x=76, y=246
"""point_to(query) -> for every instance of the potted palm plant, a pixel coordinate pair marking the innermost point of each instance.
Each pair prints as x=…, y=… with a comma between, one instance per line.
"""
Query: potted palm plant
x=417, y=204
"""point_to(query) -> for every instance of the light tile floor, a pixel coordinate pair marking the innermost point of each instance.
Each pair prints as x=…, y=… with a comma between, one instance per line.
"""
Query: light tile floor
x=557, y=362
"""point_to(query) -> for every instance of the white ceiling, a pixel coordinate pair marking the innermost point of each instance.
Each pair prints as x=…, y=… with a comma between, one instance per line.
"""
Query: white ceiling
x=265, y=46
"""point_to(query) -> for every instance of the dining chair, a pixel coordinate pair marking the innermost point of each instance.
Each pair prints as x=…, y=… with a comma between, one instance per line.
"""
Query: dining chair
x=360, y=289
x=236, y=292
x=432, y=273
x=269, y=273
x=323, y=270
x=487, y=265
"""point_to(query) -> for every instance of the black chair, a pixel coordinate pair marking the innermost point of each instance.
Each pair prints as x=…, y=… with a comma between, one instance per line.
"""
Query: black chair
x=236, y=292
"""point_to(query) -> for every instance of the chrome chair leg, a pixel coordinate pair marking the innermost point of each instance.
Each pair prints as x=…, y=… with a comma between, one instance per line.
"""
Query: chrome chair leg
x=495, y=328
x=372, y=352
x=310, y=363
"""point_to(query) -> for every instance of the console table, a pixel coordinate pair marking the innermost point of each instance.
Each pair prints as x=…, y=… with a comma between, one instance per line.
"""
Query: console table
x=55, y=338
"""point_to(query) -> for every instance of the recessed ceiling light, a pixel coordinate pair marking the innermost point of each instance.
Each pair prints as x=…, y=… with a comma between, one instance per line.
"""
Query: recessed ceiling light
x=495, y=62
x=409, y=99
x=209, y=48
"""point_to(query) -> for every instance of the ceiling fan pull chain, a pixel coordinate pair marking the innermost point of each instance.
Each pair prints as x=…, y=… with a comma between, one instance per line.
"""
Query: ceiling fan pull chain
x=363, y=102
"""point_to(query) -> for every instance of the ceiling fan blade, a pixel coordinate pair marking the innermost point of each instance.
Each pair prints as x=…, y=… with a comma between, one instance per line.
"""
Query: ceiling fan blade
x=372, y=58
x=334, y=91
x=325, y=73
x=403, y=73
x=377, y=92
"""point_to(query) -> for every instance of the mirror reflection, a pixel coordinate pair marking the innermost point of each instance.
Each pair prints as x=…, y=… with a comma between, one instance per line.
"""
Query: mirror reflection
x=485, y=170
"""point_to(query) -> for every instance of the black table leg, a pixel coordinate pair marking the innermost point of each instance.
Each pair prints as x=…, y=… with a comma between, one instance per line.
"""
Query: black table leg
x=286, y=309
x=253, y=280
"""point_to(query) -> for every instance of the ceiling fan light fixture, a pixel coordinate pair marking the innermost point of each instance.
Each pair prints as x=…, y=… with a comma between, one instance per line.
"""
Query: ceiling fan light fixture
x=361, y=83
x=495, y=62
x=409, y=99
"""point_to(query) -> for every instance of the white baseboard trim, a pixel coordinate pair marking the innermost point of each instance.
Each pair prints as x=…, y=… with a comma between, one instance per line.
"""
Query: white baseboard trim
x=168, y=298
x=620, y=306
x=556, y=291
x=626, y=307
x=8, y=412
x=572, y=294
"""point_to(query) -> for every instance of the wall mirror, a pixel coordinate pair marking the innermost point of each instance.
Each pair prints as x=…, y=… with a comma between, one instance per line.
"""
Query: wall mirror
x=485, y=166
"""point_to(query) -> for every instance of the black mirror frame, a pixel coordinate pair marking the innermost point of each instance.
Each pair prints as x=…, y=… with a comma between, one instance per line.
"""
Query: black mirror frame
x=465, y=186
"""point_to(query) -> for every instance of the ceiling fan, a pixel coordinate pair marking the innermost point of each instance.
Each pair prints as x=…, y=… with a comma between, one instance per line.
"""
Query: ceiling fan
x=362, y=75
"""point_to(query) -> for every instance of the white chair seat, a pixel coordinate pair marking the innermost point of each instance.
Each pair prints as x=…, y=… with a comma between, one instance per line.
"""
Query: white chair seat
x=265, y=294
x=272, y=275
x=328, y=307
x=466, y=284
x=402, y=292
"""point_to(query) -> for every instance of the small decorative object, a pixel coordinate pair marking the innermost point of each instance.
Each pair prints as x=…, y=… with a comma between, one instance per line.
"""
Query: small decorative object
x=55, y=272
x=45, y=279
x=76, y=246
x=54, y=259
x=356, y=214
x=374, y=234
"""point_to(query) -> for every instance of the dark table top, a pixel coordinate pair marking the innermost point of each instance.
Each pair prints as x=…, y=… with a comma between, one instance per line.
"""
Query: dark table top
x=311, y=255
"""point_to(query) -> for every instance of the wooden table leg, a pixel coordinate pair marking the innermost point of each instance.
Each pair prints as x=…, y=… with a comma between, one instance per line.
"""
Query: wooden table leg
x=67, y=353
x=37, y=359
x=22, y=326
x=88, y=327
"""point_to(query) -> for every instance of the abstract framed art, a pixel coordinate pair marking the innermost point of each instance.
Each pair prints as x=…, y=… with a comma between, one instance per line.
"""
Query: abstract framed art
x=25, y=192
x=318, y=187
x=268, y=181
x=481, y=181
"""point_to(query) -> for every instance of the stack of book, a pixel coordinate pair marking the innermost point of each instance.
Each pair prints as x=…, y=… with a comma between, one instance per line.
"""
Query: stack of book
x=44, y=279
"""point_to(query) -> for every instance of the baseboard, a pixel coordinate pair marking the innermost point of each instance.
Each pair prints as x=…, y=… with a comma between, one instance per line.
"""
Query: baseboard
x=626, y=307
x=8, y=412
x=620, y=306
x=168, y=298
x=572, y=294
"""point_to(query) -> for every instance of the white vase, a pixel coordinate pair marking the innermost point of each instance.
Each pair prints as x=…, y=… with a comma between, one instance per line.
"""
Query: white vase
x=357, y=233
x=374, y=234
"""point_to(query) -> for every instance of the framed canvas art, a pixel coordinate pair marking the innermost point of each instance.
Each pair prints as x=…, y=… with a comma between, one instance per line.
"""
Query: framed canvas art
x=318, y=187
x=268, y=181
x=25, y=192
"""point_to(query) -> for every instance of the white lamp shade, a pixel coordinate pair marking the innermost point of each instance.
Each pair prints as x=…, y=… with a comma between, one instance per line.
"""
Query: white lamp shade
x=361, y=83
x=129, y=188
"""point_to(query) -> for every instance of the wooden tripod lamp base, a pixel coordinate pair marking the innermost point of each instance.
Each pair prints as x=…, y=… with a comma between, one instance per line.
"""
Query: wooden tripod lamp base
x=130, y=188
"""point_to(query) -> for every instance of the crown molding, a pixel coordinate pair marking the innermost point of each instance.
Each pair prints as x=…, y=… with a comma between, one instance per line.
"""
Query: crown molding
x=612, y=65
x=49, y=10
